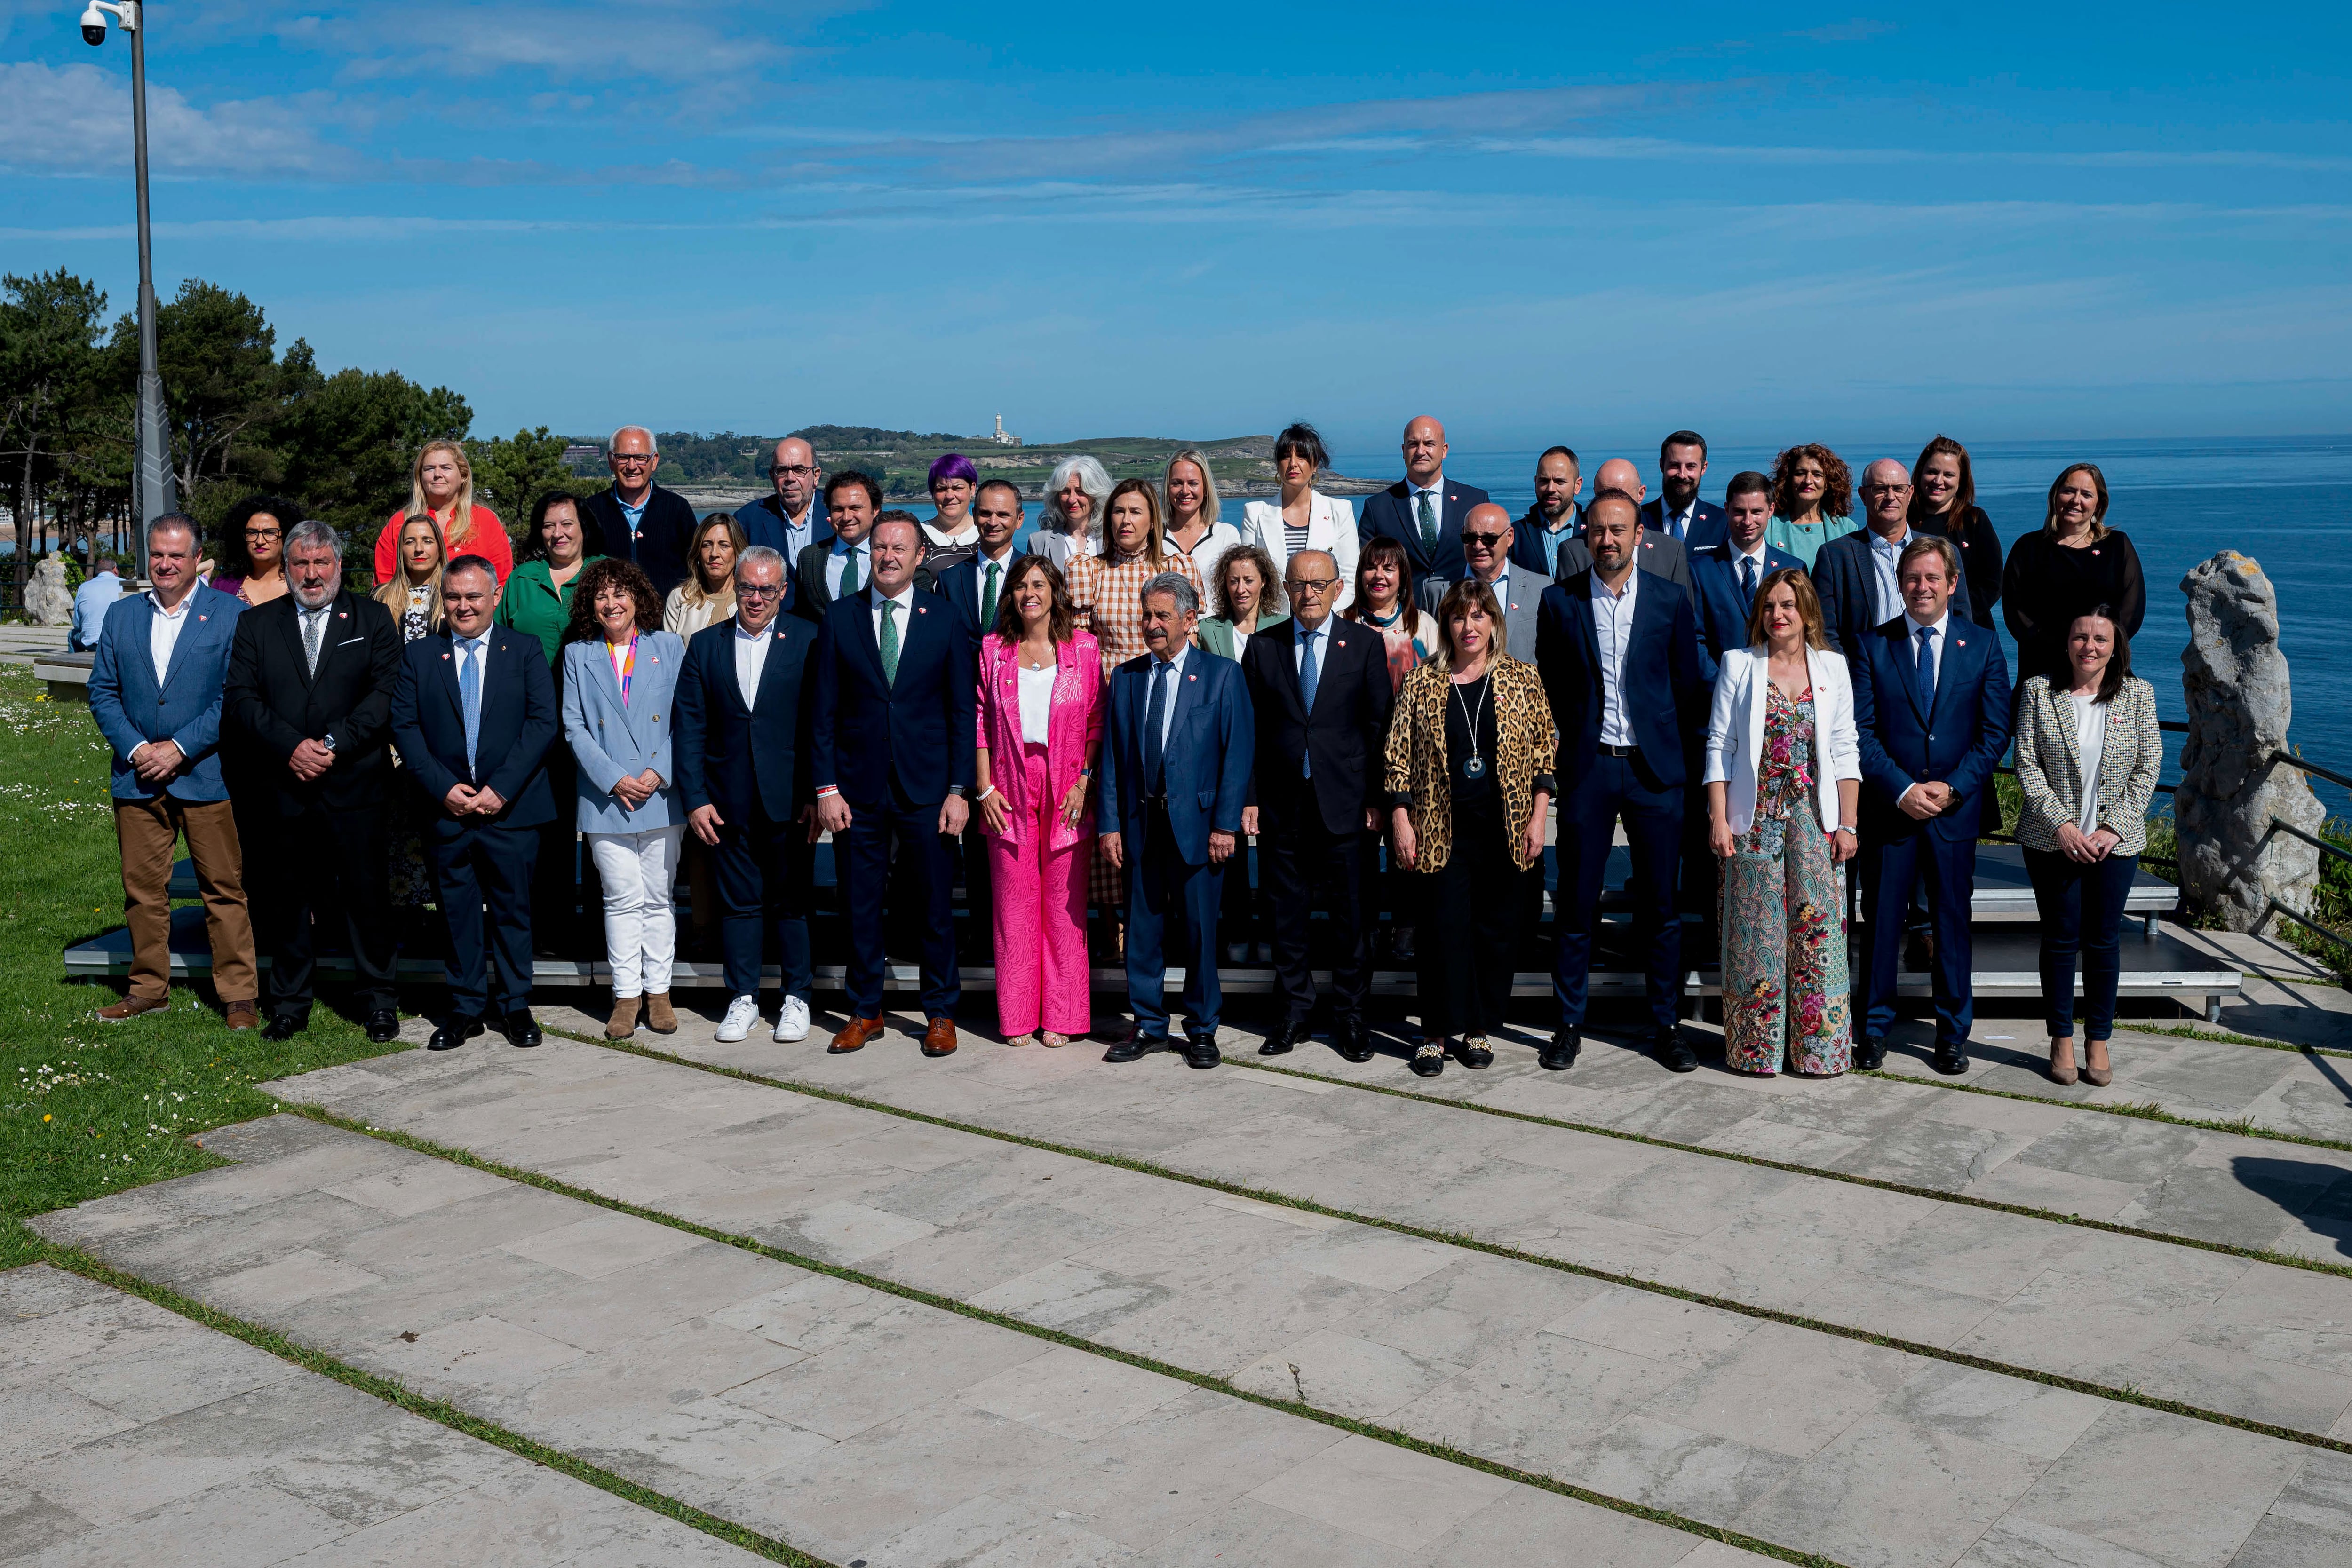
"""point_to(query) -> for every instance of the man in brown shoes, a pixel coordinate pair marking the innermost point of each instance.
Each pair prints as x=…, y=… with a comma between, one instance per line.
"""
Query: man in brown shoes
x=939, y=1036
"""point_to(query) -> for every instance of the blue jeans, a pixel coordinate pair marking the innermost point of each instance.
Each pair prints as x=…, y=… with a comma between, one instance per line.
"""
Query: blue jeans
x=2082, y=909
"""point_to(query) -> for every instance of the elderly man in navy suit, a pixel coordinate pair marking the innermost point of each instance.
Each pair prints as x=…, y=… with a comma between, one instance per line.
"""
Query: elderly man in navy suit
x=794, y=517
x=890, y=748
x=1176, y=762
x=742, y=750
x=1618, y=650
x=155, y=689
x=1931, y=700
x=473, y=715
x=1423, y=512
x=1725, y=575
x=1678, y=513
x=1855, y=575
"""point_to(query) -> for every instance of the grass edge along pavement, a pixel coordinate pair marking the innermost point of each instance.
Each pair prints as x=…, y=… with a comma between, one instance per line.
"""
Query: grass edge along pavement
x=2126, y=1395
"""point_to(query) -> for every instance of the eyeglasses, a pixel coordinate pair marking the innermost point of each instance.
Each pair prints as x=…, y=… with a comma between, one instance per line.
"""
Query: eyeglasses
x=629, y=459
x=758, y=590
x=1482, y=541
x=264, y=533
x=1295, y=586
x=797, y=470
x=1877, y=490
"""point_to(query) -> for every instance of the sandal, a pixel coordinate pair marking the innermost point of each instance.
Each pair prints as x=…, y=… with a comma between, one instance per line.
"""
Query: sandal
x=1053, y=1042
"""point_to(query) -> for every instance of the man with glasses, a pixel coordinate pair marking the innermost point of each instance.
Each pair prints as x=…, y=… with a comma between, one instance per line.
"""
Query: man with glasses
x=1855, y=575
x=1320, y=691
x=1487, y=551
x=793, y=518
x=637, y=519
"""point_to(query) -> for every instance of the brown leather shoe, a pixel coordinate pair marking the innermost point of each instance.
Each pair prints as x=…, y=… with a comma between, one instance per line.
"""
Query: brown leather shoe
x=854, y=1035
x=660, y=1017
x=940, y=1039
x=131, y=1006
x=242, y=1016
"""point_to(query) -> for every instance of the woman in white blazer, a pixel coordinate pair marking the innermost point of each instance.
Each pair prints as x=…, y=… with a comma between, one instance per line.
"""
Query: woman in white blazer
x=620, y=675
x=1304, y=519
x=1783, y=791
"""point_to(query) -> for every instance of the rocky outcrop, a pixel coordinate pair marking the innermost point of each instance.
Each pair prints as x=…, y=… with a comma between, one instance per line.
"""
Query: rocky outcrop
x=2232, y=861
x=48, y=601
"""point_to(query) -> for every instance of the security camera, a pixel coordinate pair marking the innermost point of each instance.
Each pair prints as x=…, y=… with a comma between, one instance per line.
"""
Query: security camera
x=93, y=26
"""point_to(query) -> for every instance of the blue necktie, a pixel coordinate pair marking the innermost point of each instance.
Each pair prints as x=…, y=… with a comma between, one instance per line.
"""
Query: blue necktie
x=469, y=695
x=1927, y=670
x=1155, y=717
x=1747, y=579
x=1308, y=676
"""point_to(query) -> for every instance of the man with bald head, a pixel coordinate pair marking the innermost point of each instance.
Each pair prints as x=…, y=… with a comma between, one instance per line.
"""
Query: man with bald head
x=794, y=517
x=1659, y=557
x=1855, y=575
x=1423, y=511
x=636, y=519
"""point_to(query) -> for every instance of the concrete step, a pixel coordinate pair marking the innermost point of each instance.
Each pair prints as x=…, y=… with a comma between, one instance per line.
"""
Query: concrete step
x=853, y=1424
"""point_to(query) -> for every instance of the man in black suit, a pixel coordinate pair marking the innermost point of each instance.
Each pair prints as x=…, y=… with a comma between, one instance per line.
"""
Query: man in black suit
x=308, y=707
x=1320, y=690
x=1659, y=557
x=1854, y=574
x=1554, y=520
x=741, y=748
x=974, y=584
x=473, y=716
x=891, y=757
x=792, y=518
x=1678, y=513
x=1423, y=511
x=638, y=520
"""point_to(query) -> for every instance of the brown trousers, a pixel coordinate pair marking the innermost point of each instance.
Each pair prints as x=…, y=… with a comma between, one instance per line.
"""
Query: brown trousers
x=147, y=830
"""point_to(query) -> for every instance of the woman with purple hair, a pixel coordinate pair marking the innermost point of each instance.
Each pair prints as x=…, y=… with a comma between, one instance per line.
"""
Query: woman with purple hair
x=951, y=536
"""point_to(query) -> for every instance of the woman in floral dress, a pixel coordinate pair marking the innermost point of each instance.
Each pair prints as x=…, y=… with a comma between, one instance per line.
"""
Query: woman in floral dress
x=1783, y=784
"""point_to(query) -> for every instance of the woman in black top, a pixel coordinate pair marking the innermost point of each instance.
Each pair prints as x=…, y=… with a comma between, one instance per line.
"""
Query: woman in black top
x=1943, y=501
x=2069, y=566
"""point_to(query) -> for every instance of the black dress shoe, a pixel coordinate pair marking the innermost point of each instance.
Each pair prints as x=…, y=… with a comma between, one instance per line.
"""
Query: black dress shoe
x=1283, y=1041
x=1667, y=1045
x=1430, y=1059
x=1355, y=1041
x=520, y=1028
x=1561, y=1054
x=1136, y=1046
x=1951, y=1058
x=1473, y=1053
x=281, y=1027
x=383, y=1026
x=1200, y=1050
x=1400, y=944
x=454, y=1033
x=1870, y=1055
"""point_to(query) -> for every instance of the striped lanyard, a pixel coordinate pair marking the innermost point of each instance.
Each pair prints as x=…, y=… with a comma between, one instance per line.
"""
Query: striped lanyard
x=624, y=664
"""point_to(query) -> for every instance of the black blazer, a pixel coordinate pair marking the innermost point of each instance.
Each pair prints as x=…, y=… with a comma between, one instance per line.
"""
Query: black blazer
x=1346, y=738
x=729, y=755
x=1847, y=581
x=272, y=703
x=1980, y=560
x=1389, y=514
x=661, y=542
x=916, y=732
x=1666, y=694
x=518, y=722
x=810, y=598
x=960, y=586
x=1708, y=525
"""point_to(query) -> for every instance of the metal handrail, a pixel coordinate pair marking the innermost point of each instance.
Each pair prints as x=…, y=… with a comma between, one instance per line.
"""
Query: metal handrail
x=2332, y=935
x=2313, y=839
x=2290, y=759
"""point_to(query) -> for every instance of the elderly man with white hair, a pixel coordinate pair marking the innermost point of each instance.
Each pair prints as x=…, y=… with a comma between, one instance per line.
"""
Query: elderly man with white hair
x=637, y=519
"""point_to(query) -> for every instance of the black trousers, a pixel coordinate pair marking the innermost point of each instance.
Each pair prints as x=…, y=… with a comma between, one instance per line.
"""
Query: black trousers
x=765, y=870
x=1473, y=913
x=338, y=872
x=2082, y=909
x=1304, y=862
x=485, y=863
x=861, y=859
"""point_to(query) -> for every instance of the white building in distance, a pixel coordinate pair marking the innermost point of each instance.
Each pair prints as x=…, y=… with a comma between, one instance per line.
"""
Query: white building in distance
x=1003, y=437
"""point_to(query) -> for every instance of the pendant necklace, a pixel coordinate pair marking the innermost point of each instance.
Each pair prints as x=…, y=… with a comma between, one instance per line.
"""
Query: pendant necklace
x=1473, y=765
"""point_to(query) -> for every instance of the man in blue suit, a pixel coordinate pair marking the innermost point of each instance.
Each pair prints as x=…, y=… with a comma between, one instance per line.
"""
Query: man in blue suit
x=1176, y=762
x=1855, y=575
x=741, y=751
x=1725, y=575
x=1554, y=520
x=891, y=754
x=1678, y=513
x=1618, y=650
x=473, y=716
x=793, y=518
x=1931, y=701
x=1423, y=511
x=155, y=690
x=974, y=584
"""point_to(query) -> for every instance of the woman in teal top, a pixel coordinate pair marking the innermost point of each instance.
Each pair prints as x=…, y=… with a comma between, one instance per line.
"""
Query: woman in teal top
x=537, y=598
x=1247, y=597
x=1812, y=501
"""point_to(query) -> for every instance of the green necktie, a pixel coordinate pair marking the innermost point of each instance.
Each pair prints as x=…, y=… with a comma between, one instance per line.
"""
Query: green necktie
x=889, y=645
x=1429, y=525
x=849, y=573
x=988, y=599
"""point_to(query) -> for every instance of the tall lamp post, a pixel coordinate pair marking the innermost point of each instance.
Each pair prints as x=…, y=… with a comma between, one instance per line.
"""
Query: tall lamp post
x=152, y=491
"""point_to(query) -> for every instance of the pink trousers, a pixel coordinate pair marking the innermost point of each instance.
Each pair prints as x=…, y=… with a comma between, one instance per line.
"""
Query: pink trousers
x=1041, y=917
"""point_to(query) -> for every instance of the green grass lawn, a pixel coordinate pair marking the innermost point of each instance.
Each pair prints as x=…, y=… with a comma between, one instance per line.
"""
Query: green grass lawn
x=88, y=1108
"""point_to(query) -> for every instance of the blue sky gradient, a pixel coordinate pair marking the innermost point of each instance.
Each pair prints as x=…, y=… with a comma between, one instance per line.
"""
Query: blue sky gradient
x=1539, y=222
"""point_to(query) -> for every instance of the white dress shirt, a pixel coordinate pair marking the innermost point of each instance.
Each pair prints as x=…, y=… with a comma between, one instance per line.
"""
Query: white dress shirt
x=1886, y=592
x=1037, y=704
x=1436, y=494
x=906, y=616
x=164, y=633
x=1676, y=525
x=838, y=556
x=751, y=660
x=1612, y=626
x=1911, y=624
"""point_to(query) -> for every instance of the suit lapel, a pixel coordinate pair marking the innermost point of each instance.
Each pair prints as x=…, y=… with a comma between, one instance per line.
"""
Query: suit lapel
x=1579, y=601
x=196, y=624
x=293, y=624
x=449, y=676
x=779, y=648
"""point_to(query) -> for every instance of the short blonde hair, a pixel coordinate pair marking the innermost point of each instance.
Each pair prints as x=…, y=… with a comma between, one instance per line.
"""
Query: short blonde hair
x=1463, y=596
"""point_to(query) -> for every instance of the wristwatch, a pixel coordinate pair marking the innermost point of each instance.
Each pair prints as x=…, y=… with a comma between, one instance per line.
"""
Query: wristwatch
x=956, y=790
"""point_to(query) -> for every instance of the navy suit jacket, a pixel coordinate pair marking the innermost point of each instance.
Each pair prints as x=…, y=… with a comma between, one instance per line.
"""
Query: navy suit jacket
x=762, y=523
x=1212, y=743
x=732, y=757
x=916, y=733
x=1846, y=580
x=1666, y=694
x=662, y=538
x=960, y=586
x=132, y=710
x=1959, y=743
x=1389, y=514
x=1722, y=606
x=1535, y=548
x=1708, y=523
x=520, y=720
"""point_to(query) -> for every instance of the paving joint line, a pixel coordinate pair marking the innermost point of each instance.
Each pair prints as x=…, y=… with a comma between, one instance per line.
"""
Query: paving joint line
x=399, y=1394
x=1425, y=1233
x=2138, y=1111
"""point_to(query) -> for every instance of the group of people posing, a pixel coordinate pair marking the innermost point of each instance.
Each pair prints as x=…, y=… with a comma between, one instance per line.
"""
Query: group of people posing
x=1103, y=709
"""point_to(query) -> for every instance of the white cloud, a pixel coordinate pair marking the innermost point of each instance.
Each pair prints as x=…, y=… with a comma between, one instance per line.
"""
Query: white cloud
x=75, y=120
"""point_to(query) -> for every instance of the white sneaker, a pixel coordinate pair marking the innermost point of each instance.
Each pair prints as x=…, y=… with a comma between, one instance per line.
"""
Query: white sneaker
x=792, y=1020
x=741, y=1014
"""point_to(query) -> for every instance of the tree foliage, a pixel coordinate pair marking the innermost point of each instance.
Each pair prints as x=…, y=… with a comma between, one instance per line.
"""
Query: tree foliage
x=509, y=475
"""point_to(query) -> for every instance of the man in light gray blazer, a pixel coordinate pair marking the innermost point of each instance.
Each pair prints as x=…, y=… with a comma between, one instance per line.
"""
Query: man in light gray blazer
x=1486, y=549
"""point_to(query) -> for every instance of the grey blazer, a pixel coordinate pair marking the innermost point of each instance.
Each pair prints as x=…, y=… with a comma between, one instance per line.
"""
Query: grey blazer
x=615, y=742
x=1522, y=605
x=2049, y=765
x=1661, y=557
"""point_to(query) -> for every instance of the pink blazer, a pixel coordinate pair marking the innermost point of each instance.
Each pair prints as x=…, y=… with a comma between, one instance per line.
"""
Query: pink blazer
x=1075, y=724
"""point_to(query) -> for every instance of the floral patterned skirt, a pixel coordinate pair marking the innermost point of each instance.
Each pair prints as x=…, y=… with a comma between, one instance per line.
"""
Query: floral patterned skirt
x=1787, y=1001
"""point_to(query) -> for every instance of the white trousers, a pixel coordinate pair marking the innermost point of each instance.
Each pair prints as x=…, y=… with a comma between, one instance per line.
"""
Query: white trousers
x=639, y=872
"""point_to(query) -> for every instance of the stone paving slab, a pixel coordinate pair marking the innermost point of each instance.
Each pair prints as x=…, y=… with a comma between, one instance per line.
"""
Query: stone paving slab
x=2286, y=995
x=1712, y=1414
x=849, y=1422
x=133, y=1436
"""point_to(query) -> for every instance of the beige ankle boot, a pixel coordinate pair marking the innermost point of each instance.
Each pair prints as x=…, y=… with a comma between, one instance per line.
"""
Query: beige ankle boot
x=658, y=1016
x=623, y=1021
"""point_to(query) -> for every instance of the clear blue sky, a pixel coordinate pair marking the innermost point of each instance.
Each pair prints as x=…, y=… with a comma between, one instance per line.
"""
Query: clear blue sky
x=1544, y=222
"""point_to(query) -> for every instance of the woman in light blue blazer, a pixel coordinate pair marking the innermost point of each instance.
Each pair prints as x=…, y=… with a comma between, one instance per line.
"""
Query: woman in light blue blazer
x=620, y=676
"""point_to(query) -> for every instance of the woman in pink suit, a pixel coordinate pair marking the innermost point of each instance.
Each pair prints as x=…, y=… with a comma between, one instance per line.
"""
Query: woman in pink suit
x=1041, y=723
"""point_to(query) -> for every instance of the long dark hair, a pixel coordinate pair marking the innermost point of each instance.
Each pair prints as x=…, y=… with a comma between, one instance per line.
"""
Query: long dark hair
x=1060, y=620
x=2119, y=666
x=534, y=539
x=611, y=571
x=1964, y=499
x=235, y=560
x=1375, y=551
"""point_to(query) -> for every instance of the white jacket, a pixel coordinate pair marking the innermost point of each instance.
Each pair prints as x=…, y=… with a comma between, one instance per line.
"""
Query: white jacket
x=1330, y=526
x=1734, y=733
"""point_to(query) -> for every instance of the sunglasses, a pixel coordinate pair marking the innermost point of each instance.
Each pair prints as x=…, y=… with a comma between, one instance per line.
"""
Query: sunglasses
x=1483, y=541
